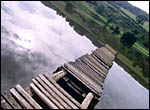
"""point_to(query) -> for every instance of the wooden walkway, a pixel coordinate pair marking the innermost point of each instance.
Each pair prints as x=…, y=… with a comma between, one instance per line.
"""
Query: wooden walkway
x=75, y=85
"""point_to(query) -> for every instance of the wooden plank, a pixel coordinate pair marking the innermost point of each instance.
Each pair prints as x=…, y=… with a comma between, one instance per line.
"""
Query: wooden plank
x=111, y=49
x=11, y=101
x=93, y=66
x=62, y=90
x=43, y=97
x=21, y=100
x=99, y=62
x=96, y=64
x=58, y=92
x=90, y=71
x=59, y=76
x=28, y=97
x=47, y=94
x=107, y=55
x=53, y=76
x=80, y=90
x=86, y=102
x=5, y=105
x=77, y=74
x=92, y=82
x=53, y=93
x=87, y=72
x=102, y=58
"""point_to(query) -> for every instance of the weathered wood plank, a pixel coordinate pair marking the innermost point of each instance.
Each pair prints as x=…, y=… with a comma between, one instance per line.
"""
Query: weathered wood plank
x=28, y=97
x=102, y=58
x=87, y=100
x=89, y=71
x=21, y=100
x=62, y=90
x=58, y=92
x=43, y=97
x=11, y=101
x=101, y=64
x=47, y=94
x=93, y=66
x=52, y=93
x=96, y=64
x=111, y=49
x=86, y=76
x=75, y=86
x=59, y=76
x=76, y=74
x=107, y=55
x=5, y=105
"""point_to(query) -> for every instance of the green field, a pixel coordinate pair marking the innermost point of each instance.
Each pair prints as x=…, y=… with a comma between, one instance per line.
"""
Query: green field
x=141, y=49
x=146, y=26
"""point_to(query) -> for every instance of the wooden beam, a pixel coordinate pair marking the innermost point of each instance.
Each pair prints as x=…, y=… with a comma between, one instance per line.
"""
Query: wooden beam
x=43, y=97
x=28, y=97
x=59, y=75
x=86, y=102
x=47, y=94
x=11, y=101
x=62, y=90
x=84, y=79
x=111, y=49
x=52, y=93
x=89, y=72
x=93, y=66
x=58, y=92
x=21, y=100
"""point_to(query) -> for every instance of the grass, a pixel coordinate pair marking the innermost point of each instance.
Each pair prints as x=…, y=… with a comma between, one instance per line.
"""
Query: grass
x=146, y=26
x=128, y=63
x=133, y=16
x=141, y=49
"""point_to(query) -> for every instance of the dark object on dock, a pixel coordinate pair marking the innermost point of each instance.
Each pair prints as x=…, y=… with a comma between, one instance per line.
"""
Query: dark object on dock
x=76, y=85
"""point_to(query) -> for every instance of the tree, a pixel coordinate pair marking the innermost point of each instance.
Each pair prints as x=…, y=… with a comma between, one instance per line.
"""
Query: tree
x=128, y=39
x=69, y=7
x=116, y=30
x=142, y=18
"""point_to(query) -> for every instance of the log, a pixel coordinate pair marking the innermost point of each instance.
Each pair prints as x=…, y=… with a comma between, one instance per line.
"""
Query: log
x=62, y=90
x=111, y=49
x=47, y=94
x=86, y=102
x=53, y=93
x=11, y=101
x=21, y=100
x=58, y=92
x=28, y=97
x=74, y=72
x=59, y=75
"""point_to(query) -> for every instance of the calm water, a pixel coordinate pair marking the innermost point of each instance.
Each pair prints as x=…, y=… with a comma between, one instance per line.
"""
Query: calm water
x=34, y=39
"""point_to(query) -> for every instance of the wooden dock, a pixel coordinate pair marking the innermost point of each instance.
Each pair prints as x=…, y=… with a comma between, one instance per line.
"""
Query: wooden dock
x=75, y=85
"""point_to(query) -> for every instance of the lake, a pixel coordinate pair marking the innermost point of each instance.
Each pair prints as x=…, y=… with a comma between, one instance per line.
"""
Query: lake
x=34, y=40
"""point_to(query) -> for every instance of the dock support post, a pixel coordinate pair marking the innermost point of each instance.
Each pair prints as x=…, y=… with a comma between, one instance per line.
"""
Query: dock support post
x=87, y=101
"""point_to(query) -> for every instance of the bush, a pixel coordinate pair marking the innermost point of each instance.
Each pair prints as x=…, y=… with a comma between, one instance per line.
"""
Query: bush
x=128, y=39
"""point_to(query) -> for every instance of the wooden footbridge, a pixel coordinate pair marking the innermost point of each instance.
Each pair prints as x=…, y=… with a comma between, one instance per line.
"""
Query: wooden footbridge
x=75, y=85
